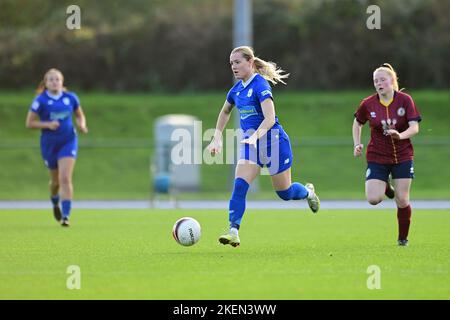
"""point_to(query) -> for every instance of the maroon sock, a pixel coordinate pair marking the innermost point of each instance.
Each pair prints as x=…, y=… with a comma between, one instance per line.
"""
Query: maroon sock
x=404, y=219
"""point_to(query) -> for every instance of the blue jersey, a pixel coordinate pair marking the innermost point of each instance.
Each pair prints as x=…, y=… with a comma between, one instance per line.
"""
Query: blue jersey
x=247, y=97
x=56, y=108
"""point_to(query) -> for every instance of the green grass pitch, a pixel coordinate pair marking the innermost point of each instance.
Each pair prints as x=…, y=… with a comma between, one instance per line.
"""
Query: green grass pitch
x=130, y=254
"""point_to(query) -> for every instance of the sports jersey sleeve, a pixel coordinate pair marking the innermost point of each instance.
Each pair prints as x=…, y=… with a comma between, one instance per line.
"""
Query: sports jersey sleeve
x=264, y=91
x=412, y=113
x=230, y=97
x=361, y=113
x=76, y=101
x=35, y=106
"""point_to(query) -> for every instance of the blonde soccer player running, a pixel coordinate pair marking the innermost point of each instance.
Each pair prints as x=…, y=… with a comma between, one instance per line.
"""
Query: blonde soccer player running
x=393, y=119
x=264, y=144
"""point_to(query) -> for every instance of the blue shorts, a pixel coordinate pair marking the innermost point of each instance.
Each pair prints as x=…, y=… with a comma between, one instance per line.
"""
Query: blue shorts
x=52, y=150
x=403, y=170
x=276, y=155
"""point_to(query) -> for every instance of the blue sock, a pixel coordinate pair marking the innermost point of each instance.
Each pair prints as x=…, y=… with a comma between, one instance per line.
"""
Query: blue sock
x=66, y=206
x=237, y=202
x=55, y=200
x=296, y=191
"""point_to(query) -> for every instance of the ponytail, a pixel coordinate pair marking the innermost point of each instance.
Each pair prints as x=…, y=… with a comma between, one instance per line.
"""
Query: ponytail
x=267, y=69
x=41, y=87
x=270, y=71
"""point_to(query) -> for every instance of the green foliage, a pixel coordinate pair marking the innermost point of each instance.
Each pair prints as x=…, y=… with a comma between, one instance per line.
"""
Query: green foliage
x=184, y=45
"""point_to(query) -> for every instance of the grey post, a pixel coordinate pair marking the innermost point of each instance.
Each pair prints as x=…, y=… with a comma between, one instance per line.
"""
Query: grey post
x=242, y=36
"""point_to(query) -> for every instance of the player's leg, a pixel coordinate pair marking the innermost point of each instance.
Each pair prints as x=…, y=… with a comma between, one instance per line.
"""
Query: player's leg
x=402, y=175
x=286, y=190
x=66, y=163
x=246, y=172
x=54, y=193
x=65, y=168
x=281, y=175
x=377, y=176
x=375, y=191
x=49, y=151
x=389, y=191
x=54, y=184
x=402, y=188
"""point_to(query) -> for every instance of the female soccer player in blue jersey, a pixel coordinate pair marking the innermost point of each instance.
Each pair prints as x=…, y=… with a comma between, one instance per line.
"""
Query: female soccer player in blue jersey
x=265, y=143
x=52, y=111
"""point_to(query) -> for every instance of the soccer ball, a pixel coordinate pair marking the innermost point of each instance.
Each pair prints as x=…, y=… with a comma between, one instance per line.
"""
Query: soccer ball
x=187, y=231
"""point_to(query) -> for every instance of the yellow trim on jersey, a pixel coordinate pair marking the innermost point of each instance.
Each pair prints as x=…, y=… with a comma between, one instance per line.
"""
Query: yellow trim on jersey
x=386, y=104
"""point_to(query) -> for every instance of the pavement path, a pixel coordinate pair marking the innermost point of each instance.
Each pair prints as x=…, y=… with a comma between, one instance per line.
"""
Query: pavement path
x=222, y=204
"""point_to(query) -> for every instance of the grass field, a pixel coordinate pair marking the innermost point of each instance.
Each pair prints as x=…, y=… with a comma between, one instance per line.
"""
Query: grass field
x=126, y=254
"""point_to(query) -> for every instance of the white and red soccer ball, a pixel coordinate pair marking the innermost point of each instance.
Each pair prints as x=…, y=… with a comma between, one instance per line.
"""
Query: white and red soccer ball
x=187, y=231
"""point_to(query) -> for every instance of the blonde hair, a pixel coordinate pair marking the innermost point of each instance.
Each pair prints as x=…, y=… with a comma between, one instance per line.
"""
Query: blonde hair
x=41, y=87
x=267, y=69
x=386, y=67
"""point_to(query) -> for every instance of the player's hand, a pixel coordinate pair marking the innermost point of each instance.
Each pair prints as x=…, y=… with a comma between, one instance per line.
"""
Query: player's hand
x=83, y=129
x=357, y=151
x=53, y=125
x=250, y=140
x=394, y=134
x=215, y=146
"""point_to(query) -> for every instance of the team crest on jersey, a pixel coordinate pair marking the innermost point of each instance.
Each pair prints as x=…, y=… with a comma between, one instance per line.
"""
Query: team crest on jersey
x=250, y=92
x=50, y=102
x=373, y=114
x=66, y=101
x=401, y=111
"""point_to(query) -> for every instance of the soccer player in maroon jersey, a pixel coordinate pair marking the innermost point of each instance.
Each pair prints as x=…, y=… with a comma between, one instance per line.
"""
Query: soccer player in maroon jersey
x=393, y=120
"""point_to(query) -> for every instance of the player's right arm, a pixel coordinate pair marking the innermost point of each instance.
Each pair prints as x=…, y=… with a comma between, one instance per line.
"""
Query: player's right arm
x=33, y=122
x=224, y=116
x=356, y=131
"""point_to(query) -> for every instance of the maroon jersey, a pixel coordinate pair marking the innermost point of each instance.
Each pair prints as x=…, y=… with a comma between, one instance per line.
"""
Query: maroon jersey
x=382, y=148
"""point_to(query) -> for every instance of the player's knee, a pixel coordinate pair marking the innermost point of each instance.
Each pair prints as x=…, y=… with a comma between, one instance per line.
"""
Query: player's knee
x=65, y=180
x=402, y=202
x=373, y=200
x=53, y=184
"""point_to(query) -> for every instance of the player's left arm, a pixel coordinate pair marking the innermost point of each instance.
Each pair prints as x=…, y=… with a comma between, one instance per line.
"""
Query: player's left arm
x=413, y=116
x=268, y=109
x=81, y=120
x=412, y=130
